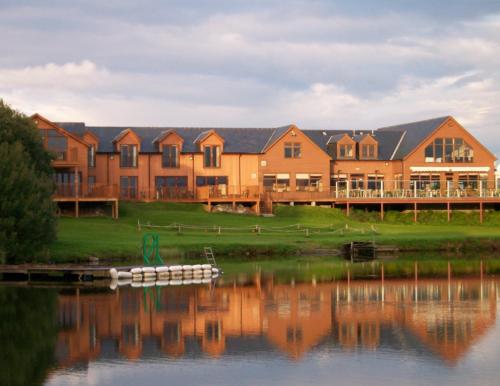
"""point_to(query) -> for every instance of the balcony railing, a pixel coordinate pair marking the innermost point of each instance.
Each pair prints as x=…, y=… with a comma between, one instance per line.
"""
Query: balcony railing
x=342, y=190
x=85, y=190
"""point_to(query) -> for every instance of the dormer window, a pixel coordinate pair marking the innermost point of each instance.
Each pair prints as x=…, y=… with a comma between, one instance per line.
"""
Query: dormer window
x=346, y=151
x=368, y=151
x=211, y=156
x=170, y=156
x=56, y=143
x=128, y=156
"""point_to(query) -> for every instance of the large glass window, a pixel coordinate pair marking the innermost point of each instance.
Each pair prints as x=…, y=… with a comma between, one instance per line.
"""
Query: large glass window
x=308, y=182
x=468, y=181
x=211, y=156
x=128, y=187
x=277, y=182
x=128, y=156
x=211, y=180
x=357, y=181
x=449, y=150
x=375, y=182
x=171, y=186
x=170, y=156
x=56, y=143
x=293, y=150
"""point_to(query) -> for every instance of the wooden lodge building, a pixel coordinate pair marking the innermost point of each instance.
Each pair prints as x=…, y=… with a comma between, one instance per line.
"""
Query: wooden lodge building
x=430, y=162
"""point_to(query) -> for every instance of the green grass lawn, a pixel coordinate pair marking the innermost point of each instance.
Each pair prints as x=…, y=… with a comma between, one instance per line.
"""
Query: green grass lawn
x=107, y=238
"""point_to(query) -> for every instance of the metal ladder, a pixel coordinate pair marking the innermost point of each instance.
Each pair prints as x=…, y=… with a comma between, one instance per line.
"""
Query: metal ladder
x=209, y=255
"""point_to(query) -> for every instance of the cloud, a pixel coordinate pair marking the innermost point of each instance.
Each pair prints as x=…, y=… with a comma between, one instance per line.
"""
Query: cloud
x=318, y=64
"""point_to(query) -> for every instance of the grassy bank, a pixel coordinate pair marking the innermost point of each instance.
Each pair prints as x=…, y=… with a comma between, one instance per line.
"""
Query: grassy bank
x=293, y=231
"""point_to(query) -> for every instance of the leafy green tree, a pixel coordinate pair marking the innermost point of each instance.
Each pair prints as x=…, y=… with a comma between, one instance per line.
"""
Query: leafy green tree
x=27, y=212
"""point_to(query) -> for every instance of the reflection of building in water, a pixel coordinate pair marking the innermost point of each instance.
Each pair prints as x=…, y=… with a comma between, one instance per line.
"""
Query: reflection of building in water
x=446, y=318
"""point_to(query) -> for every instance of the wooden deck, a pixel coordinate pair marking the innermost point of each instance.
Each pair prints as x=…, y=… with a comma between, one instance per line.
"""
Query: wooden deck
x=75, y=272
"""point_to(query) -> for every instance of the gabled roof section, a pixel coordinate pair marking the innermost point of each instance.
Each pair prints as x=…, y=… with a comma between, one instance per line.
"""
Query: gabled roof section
x=275, y=136
x=58, y=127
x=122, y=134
x=164, y=134
x=205, y=134
x=416, y=133
x=87, y=132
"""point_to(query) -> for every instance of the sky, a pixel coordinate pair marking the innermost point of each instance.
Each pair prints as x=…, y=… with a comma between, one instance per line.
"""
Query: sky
x=329, y=64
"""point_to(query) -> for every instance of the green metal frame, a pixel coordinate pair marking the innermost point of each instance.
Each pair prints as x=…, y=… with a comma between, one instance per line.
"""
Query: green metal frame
x=151, y=249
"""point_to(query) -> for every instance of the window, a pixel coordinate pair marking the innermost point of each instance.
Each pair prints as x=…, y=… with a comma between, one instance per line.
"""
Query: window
x=308, y=182
x=172, y=332
x=55, y=142
x=292, y=150
x=213, y=330
x=211, y=156
x=211, y=180
x=375, y=182
x=346, y=151
x=91, y=184
x=468, y=181
x=171, y=186
x=425, y=181
x=128, y=187
x=91, y=156
x=368, y=151
x=277, y=182
x=357, y=181
x=66, y=184
x=449, y=150
x=170, y=156
x=128, y=156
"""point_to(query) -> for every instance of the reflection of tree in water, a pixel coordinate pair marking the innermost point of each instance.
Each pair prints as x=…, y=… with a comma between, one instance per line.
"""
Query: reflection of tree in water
x=27, y=335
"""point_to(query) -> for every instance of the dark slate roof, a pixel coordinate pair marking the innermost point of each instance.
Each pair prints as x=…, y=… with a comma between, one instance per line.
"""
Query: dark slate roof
x=277, y=133
x=416, y=132
x=395, y=142
x=236, y=140
x=323, y=137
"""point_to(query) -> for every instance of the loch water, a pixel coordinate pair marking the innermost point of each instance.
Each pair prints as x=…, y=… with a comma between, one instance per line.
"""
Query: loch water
x=254, y=331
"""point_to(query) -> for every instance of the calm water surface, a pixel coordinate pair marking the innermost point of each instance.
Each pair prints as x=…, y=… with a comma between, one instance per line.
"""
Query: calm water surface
x=255, y=332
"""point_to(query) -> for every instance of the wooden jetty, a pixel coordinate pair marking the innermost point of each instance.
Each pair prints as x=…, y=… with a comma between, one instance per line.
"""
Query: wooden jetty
x=70, y=272
x=366, y=251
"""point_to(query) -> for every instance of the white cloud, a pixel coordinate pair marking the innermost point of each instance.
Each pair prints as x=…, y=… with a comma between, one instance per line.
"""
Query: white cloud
x=258, y=66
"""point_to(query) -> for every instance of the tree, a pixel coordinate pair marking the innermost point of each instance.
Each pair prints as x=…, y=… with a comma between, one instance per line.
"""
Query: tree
x=27, y=212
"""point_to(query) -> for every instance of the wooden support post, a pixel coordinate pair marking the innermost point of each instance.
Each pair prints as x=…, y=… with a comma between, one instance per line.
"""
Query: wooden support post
x=481, y=212
x=449, y=271
x=77, y=208
x=382, y=273
x=117, y=209
x=416, y=272
x=234, y=205
x=448, y=210
x=481, y=268
x=348, y=209
x=257, y=207
x=382, y=211
x=415, y=215
x=209, y=206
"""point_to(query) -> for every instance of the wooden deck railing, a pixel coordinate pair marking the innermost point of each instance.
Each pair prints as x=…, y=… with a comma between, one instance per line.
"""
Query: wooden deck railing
x=341, y=191
x=85, y=190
